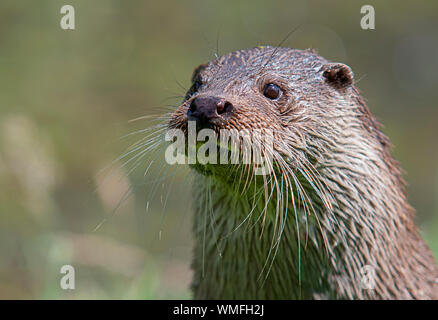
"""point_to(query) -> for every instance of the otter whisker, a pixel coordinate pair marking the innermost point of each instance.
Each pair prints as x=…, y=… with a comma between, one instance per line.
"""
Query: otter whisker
x=139, y=156
x=212, y=218
x=155, y=129
x=139, y=145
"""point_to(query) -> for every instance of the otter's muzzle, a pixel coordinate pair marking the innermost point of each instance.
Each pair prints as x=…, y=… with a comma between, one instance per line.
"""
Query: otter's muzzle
x=207, y=111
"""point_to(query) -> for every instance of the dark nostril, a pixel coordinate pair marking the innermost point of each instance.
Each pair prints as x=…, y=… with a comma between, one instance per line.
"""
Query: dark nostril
x=224, y=107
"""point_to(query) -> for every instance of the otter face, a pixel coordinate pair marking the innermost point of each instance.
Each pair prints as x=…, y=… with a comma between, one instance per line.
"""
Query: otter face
x=286, y=91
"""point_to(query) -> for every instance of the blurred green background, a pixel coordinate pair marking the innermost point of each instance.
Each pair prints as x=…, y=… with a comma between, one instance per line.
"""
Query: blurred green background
x=67, y=98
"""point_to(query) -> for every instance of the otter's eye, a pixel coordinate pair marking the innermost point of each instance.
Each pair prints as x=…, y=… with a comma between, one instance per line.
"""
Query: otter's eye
x=272, y=91
x=193, y=89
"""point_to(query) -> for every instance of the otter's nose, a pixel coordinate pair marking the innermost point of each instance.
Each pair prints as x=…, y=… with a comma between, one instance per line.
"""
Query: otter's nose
x=209, y=110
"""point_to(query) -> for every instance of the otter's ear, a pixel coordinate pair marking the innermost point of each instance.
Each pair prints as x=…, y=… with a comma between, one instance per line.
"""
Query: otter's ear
x=197, y=70
x=338, y=75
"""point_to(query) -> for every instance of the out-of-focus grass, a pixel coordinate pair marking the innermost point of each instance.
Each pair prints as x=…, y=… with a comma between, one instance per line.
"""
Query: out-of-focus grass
x=66, y=98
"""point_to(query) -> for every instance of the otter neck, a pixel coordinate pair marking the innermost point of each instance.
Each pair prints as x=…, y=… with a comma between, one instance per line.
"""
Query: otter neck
x=324, y=254
x=237, y=255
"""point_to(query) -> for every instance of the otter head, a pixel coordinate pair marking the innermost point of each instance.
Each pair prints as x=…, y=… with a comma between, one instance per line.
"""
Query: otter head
x=306, y=102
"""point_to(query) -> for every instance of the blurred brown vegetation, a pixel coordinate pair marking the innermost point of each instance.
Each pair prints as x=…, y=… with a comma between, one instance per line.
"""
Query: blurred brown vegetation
x=66, y=98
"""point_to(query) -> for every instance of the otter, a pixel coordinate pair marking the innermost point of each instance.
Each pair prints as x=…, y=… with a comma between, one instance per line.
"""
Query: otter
x=331, y=220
